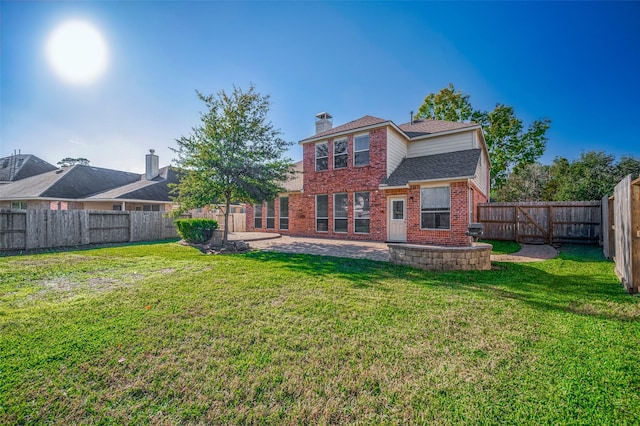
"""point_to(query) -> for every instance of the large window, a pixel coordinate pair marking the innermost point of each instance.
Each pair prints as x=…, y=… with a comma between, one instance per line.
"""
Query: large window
x=19, y=205
x=257, y=216
x=361, y=212
x=322, y=213
x=361, y=150
x=322, y=156
x=271, y=215
x=340, y=154
x=340, y=213
x=435, y=208
x=284, y=213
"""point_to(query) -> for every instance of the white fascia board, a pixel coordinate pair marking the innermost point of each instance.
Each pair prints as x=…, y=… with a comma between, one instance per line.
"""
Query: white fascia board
x=385, y=187
x=456, y=179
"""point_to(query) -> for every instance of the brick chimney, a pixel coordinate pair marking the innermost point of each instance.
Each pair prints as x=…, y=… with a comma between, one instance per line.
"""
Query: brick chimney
x=324, y=122
x=152, y=161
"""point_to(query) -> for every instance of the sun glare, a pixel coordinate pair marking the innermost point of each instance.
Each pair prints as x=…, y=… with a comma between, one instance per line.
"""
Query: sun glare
x=77, y=52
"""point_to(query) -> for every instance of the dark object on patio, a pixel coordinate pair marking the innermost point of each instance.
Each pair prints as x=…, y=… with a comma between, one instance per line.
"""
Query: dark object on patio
x=475, y=230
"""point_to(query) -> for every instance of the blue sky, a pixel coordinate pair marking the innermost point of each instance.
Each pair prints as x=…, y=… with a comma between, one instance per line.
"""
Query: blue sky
x=576, y=63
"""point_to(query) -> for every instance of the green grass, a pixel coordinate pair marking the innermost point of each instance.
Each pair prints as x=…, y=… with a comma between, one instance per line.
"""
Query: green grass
x=160, y=333
x=503, y=247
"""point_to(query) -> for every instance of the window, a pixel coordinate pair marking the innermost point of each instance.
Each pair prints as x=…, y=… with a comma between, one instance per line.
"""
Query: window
x=271, y=215
x=20, y=205
x=150, y=208
x=361, y=150
x=322, y=156
x=257, y=216
x=284, y=213
x=397, y=207
x=117, y=207
x=340, y=154
x=322, y=213
x=435, y=208
x=340, y=213
x=361, y=212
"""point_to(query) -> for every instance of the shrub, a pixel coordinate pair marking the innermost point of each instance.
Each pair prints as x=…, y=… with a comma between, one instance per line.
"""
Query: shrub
x=197, y=231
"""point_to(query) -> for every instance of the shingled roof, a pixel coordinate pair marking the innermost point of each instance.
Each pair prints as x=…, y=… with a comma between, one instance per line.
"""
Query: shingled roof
x=450, y=165
x=156, y=189
x=360, y=123
x=429, y=127
x=21, y=166
x=74, y=182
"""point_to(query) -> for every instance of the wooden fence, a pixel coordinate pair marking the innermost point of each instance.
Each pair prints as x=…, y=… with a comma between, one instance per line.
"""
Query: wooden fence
x=39, y=229
x=621, y=237
x=237, y=221
x=542, y=222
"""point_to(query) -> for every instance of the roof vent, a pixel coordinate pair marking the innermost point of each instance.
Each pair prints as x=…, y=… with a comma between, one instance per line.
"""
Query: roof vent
x=324, y=122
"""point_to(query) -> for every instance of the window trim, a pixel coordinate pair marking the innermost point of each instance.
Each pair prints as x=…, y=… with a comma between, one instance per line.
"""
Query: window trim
x=335, y=217
x=421, y=210
x=344, y=154
x=315, y=147
x=361, y=150
x=323, y=217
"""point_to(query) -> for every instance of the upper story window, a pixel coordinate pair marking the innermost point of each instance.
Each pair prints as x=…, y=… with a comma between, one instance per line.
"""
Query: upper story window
x=322, y=156
x=361, y=150
x=435, y=208
x=340, y=154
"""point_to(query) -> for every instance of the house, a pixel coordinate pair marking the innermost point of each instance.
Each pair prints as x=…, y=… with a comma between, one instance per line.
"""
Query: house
x=371, y=179
x=20, y=166
x=80, y=187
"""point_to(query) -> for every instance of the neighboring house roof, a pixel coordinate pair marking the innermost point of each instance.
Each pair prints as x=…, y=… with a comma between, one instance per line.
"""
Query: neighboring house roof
x=21, y=166
x=449, y=165
x=89, y=183
x=365, y=121
x=428, y=127
x=296, y=182
x=156, y=189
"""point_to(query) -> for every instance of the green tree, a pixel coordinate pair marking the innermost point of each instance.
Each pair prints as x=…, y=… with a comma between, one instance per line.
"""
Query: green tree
x=234, y=154
x=68, y=162
x=448, y=104
x=590, y=177
x=510, y=146
x=528, y=183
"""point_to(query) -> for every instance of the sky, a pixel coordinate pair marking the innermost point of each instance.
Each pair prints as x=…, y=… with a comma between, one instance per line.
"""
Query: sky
x=575, y=63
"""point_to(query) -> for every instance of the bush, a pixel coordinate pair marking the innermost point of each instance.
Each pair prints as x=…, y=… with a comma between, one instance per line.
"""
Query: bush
x=197, y=231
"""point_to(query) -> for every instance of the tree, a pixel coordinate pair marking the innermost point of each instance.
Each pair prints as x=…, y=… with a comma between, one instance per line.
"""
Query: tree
x=510, y=146
x=591, y=177
x=234, y=154
x=448, y=104
x=528, y=183
x=68, y=162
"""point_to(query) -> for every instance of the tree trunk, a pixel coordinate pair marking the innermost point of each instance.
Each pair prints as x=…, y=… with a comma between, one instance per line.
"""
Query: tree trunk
x=226, y=220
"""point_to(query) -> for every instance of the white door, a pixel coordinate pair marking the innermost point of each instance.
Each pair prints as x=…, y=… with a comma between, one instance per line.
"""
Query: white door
x=398, y=219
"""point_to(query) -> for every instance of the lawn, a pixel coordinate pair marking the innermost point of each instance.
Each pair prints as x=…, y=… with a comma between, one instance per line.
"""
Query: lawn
x=159, y=333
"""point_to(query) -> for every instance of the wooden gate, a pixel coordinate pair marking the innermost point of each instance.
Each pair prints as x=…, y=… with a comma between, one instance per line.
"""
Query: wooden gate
x=542, y=222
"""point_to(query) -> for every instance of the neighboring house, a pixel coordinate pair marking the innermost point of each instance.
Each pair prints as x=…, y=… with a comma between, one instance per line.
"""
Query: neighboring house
x=371, y=179
x=21, y=166
x=90, y=188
